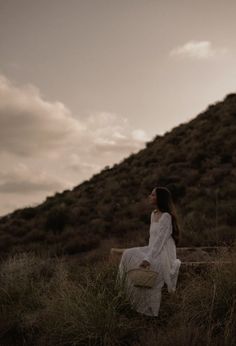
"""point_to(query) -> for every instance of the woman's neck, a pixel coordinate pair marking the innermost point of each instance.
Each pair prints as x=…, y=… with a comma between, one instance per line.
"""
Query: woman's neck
x=157, y=211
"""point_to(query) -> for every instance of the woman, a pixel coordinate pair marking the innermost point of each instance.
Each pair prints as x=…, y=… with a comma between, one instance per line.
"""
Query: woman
x=159, y=255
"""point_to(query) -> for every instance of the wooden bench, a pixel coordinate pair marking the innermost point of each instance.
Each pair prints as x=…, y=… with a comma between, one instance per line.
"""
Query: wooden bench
x=119, y=251
x=116, y=253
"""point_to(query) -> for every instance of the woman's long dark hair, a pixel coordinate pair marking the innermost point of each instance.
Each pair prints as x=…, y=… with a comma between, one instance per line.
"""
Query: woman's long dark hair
x=165, y=204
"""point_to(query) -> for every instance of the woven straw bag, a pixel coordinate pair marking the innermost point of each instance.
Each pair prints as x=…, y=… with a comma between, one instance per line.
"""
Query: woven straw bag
x=142, y=277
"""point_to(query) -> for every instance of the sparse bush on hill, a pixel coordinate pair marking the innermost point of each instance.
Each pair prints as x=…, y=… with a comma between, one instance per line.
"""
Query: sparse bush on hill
x=28, y=213
x=34, y=236
x=6, y=242
x=195, y=160
x=78, y=244
x=57, y=218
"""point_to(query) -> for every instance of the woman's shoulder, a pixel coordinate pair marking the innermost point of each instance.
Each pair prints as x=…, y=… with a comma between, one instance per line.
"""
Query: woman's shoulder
x=165, y=217
x=163, y=213
x=167, y=214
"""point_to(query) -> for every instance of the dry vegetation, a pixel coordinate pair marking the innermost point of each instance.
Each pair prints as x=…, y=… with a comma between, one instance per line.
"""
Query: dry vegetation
x=49, y=297
x=45, y=301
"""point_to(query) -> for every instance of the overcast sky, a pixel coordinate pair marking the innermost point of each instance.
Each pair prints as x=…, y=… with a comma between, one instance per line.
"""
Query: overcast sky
x=85, y=83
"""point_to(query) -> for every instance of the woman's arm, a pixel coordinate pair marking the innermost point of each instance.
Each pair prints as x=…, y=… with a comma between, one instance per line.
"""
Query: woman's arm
x=145, y=263
x=163, y=233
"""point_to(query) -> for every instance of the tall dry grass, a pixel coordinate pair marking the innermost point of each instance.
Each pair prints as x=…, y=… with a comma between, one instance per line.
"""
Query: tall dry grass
x=54, y=302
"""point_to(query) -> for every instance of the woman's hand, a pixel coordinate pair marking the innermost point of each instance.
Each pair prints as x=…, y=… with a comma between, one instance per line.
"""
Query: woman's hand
x=145, y=264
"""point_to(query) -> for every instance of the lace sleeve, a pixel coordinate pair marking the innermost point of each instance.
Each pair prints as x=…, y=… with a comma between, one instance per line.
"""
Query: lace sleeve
x=152, y=216
x=163, y=233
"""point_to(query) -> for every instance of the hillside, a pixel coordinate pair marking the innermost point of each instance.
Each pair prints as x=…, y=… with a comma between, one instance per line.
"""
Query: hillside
x=195, y=160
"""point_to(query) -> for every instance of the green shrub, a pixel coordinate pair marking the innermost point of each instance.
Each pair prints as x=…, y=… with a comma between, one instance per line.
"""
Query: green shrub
x=34, y=235
x=6, y=242
x=79, y=244
x=28, y=213
x=57, y=218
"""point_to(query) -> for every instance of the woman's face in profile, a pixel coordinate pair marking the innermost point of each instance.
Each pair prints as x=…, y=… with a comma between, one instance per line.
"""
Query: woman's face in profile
x=153, y=197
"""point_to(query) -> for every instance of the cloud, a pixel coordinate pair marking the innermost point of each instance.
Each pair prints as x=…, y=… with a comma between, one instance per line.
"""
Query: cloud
x=140, y=135
x=110, y=133
x=74, y=163
x=198, y=50
x=44, y=148
x=25, y=180
x=30, y=125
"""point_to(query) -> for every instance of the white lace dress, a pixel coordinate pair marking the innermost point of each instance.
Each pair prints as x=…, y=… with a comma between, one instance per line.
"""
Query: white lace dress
x=161, y=253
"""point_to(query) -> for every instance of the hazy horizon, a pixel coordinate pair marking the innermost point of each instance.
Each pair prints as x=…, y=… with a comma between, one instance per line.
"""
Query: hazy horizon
x=85, y=84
